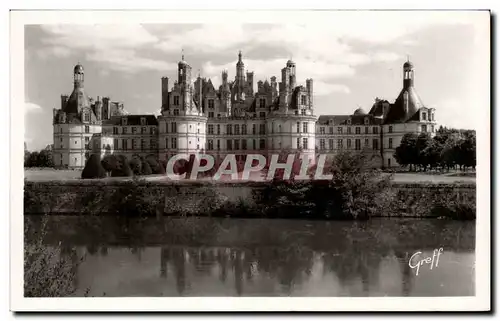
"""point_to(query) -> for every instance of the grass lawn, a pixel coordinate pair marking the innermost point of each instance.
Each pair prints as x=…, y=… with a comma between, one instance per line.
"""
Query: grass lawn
x=52, y=174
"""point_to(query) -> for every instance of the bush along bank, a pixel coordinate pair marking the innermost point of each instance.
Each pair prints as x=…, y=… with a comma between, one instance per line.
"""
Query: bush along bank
x=279, y=199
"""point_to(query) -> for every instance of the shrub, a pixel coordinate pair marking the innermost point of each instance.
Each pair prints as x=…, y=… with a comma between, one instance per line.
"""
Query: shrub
x=122, y=167
x=136, y=166
x=93, y=168
x=146, y=169
x=155, y=166
x=109, y=163
x=48, y=271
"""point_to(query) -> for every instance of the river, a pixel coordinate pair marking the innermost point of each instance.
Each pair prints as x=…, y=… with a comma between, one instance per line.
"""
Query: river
x=263, y=257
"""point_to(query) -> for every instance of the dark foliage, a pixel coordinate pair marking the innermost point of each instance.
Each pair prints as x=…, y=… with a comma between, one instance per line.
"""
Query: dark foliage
x=93, y=168
x=122, y=168
x=42, y=158
x=447, y=150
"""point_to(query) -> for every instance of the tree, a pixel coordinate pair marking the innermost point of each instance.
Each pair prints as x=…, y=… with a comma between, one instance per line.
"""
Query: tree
x=406, y=153
x=93, y=168
x=423, y=142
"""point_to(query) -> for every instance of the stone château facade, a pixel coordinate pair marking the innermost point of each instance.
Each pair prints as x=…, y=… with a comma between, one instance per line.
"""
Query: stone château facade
x=233, y=119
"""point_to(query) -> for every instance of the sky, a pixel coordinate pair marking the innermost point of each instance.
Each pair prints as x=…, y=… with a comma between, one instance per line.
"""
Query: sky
x=354, y=58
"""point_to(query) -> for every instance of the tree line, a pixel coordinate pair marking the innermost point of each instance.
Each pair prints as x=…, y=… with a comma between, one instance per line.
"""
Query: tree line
x=42, y=158
x=448, y=149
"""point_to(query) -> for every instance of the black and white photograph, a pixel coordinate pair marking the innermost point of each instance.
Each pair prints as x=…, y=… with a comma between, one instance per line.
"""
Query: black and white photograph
x=250, y=160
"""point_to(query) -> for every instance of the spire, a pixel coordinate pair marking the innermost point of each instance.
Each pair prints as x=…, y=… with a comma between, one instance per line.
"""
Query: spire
x=239, y=56
x=182, y=57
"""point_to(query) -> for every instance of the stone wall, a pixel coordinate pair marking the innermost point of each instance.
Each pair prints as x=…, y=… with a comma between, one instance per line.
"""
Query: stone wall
x=203, y=198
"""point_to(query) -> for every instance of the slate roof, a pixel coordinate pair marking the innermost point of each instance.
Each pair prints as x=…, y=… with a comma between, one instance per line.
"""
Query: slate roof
x=398, y=113
x=132, y=120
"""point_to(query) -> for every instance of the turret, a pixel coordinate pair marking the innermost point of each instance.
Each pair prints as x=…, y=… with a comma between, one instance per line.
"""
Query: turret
x=310, y=91
x=78, y=76
x=164, y=93
x=64, y=99
x=407, y=75
x=98, y=108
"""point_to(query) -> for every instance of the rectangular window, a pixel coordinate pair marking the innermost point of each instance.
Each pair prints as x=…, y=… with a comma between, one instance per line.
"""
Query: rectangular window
x=254, y=144
x=210, y=114
x=166, y=143
x=236, y=144
x=358, y=130
x=87, y=139
x=124, y=144
x=339, y=130
x=303, y=112
x=298, y=143
x=174, y=127
x=367, y=142
x=244, y=144
x=115, y=130
x=330, y=144
x=152, y=130
x=211, y=104
x=218, y=144
x=322, y=144
x=304, y=128
x=322, y=130
x=262, y=103
x=143, y=130
x=244, y=129
x=390, y=129
x=366, y=130
x=176, y=100
x=229, y=129
x=262, y=129
x=390, y=142
x=331, y=130
x=424, y=128
x=303, y=99
x=166, y=127
x=229, y=144
x=357, y=144
x=211, y=129
x=87, y=129
x=348, y=130
x=375, y=130
x=174, y=143
x=176, y=112
x=152, y=144
x=134, y=130
x=254, y=129
x=262, y=144
x=298, y=127
x=210, y=144
x=375, y=144
x=218, y=129
x=262, y=114
x=236, y=129
x=143, y=144
x=305, y=143
x=424, y=116
x=348, y=143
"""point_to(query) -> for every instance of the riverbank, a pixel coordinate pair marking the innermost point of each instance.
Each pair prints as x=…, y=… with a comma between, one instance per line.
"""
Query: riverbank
x=305, y=200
